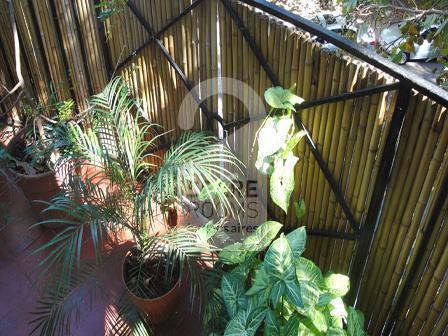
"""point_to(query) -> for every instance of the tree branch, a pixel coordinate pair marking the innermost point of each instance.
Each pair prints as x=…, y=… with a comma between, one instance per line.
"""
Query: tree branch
x=420, y=12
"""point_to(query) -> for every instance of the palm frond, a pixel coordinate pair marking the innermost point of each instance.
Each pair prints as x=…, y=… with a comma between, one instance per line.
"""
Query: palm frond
x=124, y=319
x=181, y=249
x=92, y=219
x=55, y=309
x=194, y=163
x=118, y=137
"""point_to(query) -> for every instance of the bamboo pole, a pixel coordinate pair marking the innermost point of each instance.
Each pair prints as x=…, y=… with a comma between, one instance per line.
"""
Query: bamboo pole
x=406, y=220
x=322, y=184
x=399, y=176
x=411, y=221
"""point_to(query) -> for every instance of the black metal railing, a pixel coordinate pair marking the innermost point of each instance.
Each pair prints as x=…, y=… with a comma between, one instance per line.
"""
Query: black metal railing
x=405, y=82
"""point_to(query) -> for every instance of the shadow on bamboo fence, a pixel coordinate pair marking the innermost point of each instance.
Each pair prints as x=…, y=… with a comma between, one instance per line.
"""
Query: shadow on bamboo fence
x=68, y=50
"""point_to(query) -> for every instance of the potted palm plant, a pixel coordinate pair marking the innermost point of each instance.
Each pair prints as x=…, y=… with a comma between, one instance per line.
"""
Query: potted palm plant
x=121, y=142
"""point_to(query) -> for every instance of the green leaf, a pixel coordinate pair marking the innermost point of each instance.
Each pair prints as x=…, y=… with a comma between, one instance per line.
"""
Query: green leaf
x=246, y=266
x=300, y=208
x=337, y=308
x=265, y=165
x=282, y=181
x=245, y=323
x=291, y=327
x=277, y=292
x=233, y=254
x=297, y=241
x=318, y=319
x=272, y=324
x=293, y=293
x=272, y=135
x=332, y=331
x=355, y=322
x=232, y=287
x=306, y=328
x=278, y=260
x=306, y=270
x=261, y=282
x=213, y=190
x=310, y=293
x=337, y=284
x=292, y=143
x=278, y=97
x=262, y=236
x=325, y=299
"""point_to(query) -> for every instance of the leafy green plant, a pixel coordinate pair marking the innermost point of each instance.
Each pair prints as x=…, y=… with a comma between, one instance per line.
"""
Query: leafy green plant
x=120, y=144
x=266, y=287
x=277, y=137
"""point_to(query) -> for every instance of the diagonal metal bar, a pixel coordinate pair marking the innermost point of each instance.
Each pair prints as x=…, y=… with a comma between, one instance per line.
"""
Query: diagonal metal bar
x=327, y=100
x=152, y=38
x=209, y=115
x=274, y=79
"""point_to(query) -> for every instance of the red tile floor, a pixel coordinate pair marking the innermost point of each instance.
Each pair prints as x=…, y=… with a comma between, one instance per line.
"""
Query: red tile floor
x=19, y=288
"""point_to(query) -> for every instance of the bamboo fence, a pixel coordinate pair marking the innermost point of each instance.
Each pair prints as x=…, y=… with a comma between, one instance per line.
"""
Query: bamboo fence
x=66, y=49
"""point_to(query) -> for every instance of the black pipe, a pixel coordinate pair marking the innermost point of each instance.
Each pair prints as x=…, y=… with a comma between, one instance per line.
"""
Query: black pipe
x=374, y=212
x=327, y=100
x=425, y=87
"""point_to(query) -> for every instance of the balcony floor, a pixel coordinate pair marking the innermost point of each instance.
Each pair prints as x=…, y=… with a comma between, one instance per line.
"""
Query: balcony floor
x=19, y=289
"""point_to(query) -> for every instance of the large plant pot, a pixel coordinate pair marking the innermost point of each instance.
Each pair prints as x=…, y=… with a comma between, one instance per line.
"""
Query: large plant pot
x=157, y=310
x=42, y=188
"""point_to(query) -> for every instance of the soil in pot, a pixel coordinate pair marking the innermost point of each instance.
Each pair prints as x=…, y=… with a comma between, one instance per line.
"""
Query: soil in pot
x=149, y=288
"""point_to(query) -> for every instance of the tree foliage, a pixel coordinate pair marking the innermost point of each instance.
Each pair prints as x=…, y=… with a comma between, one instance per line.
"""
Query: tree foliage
x=417, y=15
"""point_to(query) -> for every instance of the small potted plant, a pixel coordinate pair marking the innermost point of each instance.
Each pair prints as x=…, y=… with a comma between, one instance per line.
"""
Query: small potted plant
x=121, y=142
x=265, y=287
x=35, y=154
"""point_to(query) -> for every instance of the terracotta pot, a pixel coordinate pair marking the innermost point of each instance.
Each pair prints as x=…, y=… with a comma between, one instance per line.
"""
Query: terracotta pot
x=157, y=310
x=42, y=187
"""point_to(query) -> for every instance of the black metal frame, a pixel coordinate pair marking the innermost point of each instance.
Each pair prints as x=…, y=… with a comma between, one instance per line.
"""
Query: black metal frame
x=406, y=82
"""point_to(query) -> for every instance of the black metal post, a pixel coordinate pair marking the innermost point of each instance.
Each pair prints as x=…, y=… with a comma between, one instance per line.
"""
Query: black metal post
x=210, y=116
x=274, y=79
x=374, y=212
x=427, y=233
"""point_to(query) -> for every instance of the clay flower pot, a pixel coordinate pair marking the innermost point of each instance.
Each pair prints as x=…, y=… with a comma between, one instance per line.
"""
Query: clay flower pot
x=159, y=309
x=42, y=188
